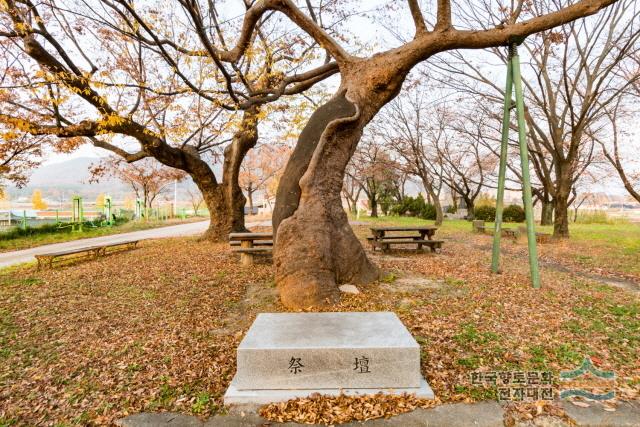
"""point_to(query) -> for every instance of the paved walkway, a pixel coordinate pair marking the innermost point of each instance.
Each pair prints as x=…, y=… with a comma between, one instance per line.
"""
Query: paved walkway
x=190, y=229
x=483, y=414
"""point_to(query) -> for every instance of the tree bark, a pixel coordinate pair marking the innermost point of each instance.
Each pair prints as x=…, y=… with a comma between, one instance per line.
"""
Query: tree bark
x=561, y=203
x=316, y=248
x=288, y=193
x=225, y=200
x=561, y=220
x=433, y=199
x=470, y=209
x=373, y=204
x=546, y=215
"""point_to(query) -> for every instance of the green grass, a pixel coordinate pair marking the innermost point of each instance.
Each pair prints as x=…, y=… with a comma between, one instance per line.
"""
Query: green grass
x=615, y=245
x=448, y=225
x=7, y=245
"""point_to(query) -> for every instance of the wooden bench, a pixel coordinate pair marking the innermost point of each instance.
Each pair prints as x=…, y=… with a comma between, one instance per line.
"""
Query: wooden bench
x=47, y=259
x=511, y=233
x=255, y=243
x=478, y=226
x=251, y=244
x=543, y=237
x=385, y=243
x=380, y=240
x=540, y=236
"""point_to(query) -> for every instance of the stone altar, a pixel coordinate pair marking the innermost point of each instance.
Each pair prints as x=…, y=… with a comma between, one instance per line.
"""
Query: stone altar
x=288, y=355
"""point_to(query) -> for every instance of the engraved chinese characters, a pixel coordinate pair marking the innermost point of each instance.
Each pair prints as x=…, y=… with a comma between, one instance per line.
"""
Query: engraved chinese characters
x=360, y=365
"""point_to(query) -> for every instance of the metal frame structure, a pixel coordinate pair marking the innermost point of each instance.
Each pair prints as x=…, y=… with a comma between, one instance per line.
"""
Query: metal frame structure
x=138, y=213
x=78, y=214
x=107, y=211
x=514, y=81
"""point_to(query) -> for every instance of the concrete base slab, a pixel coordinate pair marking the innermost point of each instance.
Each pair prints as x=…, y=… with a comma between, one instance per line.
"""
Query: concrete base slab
x=627, y=414
x=253, y=398
x=155, y=419
x=482, y=414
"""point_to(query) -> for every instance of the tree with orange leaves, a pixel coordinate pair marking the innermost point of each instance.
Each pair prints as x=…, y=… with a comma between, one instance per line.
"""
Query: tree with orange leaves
x=261, y=166
x=147, y=178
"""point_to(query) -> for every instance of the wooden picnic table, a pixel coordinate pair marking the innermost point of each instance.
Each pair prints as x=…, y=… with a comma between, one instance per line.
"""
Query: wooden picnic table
x=248, y=243
x=424, y=237
x=425, y=230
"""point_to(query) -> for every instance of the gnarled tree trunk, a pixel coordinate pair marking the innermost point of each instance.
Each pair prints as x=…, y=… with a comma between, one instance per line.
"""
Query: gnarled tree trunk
x=315, y=248
x=225, y=200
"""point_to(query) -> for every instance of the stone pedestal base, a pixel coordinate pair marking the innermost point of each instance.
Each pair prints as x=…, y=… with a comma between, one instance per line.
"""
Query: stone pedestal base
x=233, y=396
x=289, y=355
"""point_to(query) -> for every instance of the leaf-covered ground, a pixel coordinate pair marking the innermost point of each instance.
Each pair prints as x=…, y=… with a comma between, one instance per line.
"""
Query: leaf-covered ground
x=155, y=329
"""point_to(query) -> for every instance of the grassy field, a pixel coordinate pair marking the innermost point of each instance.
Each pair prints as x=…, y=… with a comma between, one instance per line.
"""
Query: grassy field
x=7, y=245
x=156, y=329
x=608, y=248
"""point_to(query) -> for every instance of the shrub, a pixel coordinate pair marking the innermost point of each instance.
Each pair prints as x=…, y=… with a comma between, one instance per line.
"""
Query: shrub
x=402, y=207
x=428, y=211
x=513, y=213
x=484, y=199
x=17, y=232
x=414, y=206
x=485, y=213
x=451, y=209
x=51, y=228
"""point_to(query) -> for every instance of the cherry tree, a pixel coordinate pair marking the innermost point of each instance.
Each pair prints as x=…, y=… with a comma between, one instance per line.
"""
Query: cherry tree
x=147, y=178
x=570, y=75
x=315, y=248
x=147, y=95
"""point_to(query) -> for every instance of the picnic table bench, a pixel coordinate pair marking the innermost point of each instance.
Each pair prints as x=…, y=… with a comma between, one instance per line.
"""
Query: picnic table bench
x=380, y=239
x=47, y=259
x=479, y=226
x=251, y=244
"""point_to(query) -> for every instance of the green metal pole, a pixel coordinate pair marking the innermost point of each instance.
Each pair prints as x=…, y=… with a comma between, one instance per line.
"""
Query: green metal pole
x=502, y=170
x=524, y=160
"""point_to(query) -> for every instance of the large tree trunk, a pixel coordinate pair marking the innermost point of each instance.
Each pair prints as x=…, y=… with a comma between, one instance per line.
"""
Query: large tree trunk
x=225, y=200
x=432, y=198
x=289, y=191
x=546, y=215
x=561, y=220
x=470, y=209
x=315, y=248
x=373, y=204
x=222, y=220
x=562, y=193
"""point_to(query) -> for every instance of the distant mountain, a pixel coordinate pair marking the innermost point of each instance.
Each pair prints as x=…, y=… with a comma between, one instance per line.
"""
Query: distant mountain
x=69, y=177
x=61, y=181
x=70, y=172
